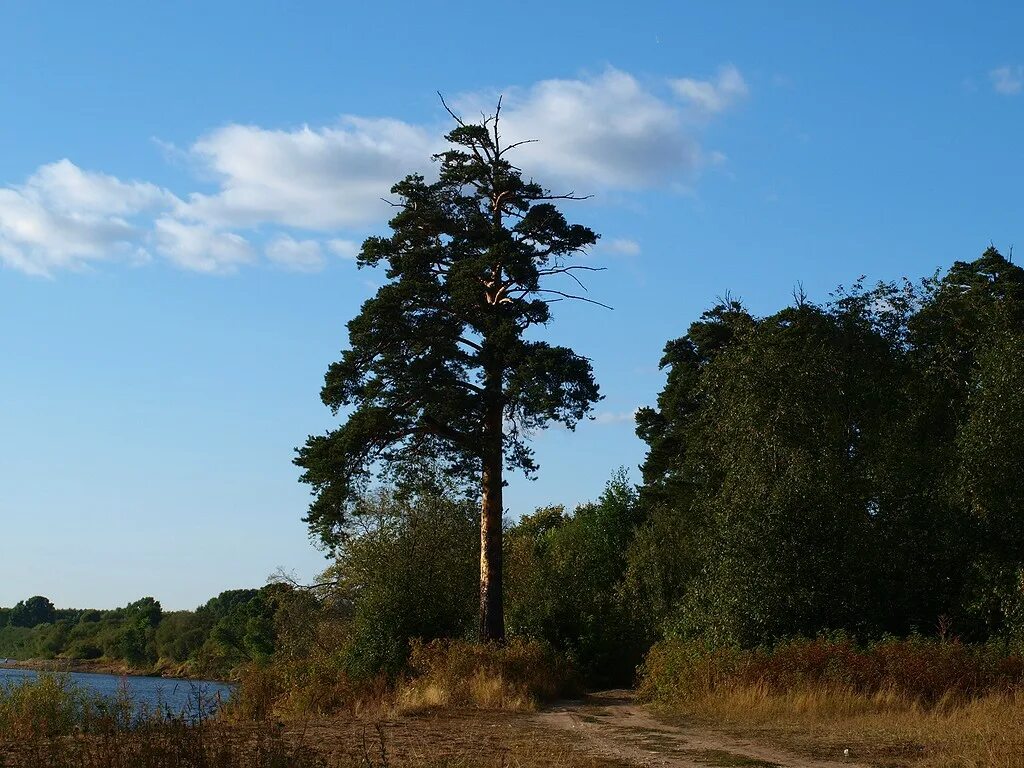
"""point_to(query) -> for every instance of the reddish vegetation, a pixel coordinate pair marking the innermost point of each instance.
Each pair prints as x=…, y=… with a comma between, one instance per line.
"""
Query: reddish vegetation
x=925, y=671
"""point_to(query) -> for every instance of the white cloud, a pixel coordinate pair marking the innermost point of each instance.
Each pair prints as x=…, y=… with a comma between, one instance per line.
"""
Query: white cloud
x=713, y=97
x=297, y=255
x=621, y=246
x=63, y=186
x=201, y=248
x=311, y=178
x=615, y=417
x=346, y=249
x=607, y=132
x=603, y=132
x=65, y=218
x=1007, y=80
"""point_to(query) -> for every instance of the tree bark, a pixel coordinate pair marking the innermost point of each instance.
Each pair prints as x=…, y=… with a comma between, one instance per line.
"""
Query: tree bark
x=492, y=610
x=492, y=604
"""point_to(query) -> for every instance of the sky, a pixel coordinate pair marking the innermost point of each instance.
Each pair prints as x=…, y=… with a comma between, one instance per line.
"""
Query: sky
x=183, y=188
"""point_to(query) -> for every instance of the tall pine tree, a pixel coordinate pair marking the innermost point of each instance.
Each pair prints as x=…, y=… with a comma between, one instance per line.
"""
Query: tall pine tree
x=438, y=368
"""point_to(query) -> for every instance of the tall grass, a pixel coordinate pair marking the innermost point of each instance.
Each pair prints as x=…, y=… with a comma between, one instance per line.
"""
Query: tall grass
x=898, y=702
x=924, y=671
x=518, y=675
x=49, y=721
x=51, y=706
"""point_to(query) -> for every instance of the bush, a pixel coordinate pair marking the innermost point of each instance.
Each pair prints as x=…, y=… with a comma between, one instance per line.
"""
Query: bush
x=411, y=573
x=48, y=706
x=563, y=579
x=517, y=676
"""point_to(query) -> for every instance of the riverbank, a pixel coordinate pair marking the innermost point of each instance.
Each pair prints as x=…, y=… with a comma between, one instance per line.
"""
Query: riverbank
x=100, y=666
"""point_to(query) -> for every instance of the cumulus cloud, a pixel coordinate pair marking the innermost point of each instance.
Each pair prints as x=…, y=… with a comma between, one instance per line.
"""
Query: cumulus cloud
x=1007, y=80
x=297, y=255
x=603, y=132
x=713, y=96
x=64, y=187
x=64, y=218
x=312, y=178
x=201, y=248
x=607, y=132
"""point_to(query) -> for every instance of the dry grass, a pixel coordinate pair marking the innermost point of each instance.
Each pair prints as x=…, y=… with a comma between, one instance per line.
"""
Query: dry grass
x=455, y=707
x=964, y=707
x=51, y=723
x=296, y=691
x=884, y=728
x=516, y=676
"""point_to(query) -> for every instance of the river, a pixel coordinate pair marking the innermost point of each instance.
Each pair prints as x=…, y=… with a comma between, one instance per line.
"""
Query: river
x=148, y=693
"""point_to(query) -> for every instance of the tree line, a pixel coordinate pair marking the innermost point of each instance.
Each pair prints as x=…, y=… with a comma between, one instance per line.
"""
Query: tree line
x=853, y=465
x=233, y=628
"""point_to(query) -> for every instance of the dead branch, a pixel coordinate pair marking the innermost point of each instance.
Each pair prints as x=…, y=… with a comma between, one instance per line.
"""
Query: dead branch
x=565, y=295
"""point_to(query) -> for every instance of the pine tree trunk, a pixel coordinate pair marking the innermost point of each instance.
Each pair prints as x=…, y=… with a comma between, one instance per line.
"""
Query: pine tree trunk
x=492, y=611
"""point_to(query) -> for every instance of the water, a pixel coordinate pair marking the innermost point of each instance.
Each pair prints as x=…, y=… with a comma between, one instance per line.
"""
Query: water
x=178, y=696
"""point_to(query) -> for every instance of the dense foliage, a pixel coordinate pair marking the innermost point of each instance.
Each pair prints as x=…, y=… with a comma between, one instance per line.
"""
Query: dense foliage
x=409, y=574
x=850, y=466
x=565, y=573
x=230, y=629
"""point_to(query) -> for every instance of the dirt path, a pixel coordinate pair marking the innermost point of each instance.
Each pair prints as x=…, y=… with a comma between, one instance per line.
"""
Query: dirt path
x=612, y=725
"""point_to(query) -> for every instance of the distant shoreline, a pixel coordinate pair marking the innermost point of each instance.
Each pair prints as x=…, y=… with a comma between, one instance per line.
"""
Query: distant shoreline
x=96, y=667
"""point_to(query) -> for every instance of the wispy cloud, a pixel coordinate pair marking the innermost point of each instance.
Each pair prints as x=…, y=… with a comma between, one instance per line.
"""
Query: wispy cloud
x=295, y=195
x=621, y=246
x=713, y=96
x=296, y=255
x=346, y=249
x=615, y=417
x=1007, y=80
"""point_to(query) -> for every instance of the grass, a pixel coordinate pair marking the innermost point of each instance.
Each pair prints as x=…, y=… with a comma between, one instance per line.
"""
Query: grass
x=901, y=703
x=454, y=709
x=516, y=676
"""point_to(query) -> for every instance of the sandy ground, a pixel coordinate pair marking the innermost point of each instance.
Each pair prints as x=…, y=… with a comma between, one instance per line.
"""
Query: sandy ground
x=611, y=724
x=605, y=730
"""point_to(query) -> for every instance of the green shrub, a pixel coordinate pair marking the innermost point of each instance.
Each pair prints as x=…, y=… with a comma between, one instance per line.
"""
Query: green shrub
x=411, y=573
x=563, y=579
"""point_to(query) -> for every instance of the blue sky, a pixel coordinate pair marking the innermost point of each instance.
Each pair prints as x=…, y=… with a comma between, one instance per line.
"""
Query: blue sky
x=183, y=185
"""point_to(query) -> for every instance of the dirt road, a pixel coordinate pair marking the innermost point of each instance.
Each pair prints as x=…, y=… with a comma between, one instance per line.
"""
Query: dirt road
x=611, y=725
